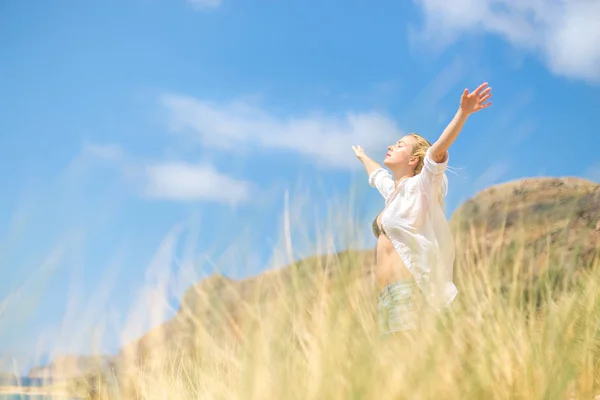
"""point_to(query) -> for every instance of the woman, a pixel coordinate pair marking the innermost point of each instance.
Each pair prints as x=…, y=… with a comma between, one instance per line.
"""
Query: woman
x=415, y=249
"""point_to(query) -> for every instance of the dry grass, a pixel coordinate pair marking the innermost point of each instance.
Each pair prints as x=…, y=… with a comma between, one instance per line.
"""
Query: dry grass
x=316, y=338
x=532, y=339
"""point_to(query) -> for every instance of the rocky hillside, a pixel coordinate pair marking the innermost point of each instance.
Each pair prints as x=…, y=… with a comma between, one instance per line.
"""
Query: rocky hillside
x=531, y=224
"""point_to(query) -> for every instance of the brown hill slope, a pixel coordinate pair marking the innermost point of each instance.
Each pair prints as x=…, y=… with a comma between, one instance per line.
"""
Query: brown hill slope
x=530, y=225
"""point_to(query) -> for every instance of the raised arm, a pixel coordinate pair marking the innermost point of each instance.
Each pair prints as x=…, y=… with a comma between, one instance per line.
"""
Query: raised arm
x=370, y=165
x=379, y=177
x=469, y=104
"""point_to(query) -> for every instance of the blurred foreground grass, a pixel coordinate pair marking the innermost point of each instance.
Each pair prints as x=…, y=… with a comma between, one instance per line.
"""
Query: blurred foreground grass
x=525, y=325
x=532, y=337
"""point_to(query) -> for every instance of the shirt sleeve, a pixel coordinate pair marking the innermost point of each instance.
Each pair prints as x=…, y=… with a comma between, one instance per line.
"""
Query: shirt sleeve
x=432, y=175
x=383, y=181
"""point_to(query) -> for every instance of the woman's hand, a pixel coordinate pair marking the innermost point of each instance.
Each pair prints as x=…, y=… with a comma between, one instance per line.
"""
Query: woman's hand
x=476, y=100
x=369, y=164
x=469, y=104
x=359, y=152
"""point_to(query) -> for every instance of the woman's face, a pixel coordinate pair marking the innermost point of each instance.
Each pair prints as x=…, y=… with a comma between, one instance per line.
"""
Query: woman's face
x=400, y=153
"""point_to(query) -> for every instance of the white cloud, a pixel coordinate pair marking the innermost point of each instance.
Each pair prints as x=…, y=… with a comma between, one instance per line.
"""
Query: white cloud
x=564, y=32
x=172, y=180
x=186, y=182
x=204, y=4
x=327, y=140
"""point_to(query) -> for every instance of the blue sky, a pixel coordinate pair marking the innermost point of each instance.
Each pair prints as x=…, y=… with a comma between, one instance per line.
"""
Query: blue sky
x=145, y=143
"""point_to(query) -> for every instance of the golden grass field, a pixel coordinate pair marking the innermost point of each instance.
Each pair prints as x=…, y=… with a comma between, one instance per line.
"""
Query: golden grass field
x=514, y=332
x=540, y=339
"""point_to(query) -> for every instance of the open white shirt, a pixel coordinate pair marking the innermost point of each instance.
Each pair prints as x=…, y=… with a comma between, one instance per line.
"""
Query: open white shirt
x=416, y=225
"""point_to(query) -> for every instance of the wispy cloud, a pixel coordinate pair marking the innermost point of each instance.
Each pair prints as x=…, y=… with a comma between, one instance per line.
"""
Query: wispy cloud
x=564, y=32
x=325, y=139
x=171, y=180
x=204, y=4
x=111, y=152
x=440, y=86
x=186, y=182
x=491, y=175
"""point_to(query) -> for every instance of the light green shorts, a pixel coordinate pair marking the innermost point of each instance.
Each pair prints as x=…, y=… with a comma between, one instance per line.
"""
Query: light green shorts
x=396, y=308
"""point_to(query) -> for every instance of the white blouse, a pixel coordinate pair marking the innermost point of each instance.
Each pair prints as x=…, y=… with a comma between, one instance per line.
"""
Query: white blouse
x=415, y=223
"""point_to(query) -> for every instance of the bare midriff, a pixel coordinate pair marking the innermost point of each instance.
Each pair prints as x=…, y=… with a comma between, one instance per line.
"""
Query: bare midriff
x=389, y=267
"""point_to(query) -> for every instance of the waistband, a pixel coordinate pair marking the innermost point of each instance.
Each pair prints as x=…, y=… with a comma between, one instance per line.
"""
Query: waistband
x=392, y=288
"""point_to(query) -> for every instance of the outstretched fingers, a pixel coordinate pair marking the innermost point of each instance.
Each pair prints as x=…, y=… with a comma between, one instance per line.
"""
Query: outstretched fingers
x=486, y=92
x=485, y=98
x=481, y=87
x=476, y=100
x=357, y=150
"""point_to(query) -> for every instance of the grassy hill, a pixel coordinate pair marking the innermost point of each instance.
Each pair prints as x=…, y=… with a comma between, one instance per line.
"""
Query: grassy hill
x=534, y=231
x=525, y=324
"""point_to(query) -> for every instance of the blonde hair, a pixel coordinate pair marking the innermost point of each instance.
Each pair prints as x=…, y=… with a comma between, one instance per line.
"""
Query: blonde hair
x=419, y=150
